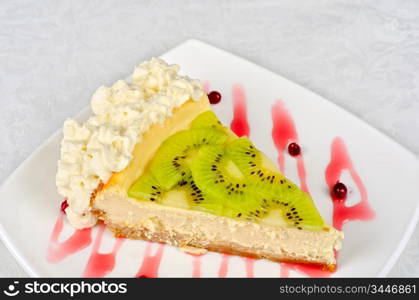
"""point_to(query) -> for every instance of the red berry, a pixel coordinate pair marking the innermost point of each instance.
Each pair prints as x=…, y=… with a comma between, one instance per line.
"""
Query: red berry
x=339, y=191
x=294, y=149
x=214, y=97
x=64, y=205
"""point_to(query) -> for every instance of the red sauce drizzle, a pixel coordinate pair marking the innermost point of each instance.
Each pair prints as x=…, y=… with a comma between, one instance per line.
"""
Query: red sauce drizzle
x=309, y=270
x=196, y=265
x=239, y=125
x=100, y=264
x=151, y=263
x=340, y=161
x=284, y=271
x=222, y=272
x=250, y=267
x=79, y=240
x=283, y=133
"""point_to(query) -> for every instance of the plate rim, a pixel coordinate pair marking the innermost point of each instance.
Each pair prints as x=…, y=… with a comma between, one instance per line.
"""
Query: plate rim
x=16, y=253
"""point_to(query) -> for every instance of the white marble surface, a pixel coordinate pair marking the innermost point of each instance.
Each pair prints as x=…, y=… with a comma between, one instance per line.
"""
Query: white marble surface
x=363, y=55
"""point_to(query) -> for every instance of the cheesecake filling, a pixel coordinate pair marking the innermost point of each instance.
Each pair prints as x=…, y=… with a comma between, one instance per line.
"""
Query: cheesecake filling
x=92, y=151
x=186, y=228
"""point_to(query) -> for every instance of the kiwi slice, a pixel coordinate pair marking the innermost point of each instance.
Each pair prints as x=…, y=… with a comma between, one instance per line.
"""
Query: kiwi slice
x=257, y=167
x=217, y=176
x=277, y=192
x=297, y=209
x=207, y=119
x=171, y=162
x=199, y=200
x=146, y=188
x=184, y=194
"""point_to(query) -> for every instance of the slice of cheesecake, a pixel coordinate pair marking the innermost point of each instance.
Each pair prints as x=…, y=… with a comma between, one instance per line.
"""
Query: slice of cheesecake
x=156, y=164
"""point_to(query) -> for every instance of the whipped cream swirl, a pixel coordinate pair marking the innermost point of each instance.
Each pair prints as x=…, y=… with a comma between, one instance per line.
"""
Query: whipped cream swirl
x=91, y=152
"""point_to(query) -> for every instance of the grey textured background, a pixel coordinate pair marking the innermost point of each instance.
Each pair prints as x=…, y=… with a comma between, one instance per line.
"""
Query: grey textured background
x=363, y=55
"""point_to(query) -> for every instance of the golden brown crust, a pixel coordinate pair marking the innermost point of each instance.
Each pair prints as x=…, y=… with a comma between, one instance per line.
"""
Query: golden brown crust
x=175, y=239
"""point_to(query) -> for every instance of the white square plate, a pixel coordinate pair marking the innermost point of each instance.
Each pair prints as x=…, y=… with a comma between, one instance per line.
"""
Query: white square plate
x=29, y=203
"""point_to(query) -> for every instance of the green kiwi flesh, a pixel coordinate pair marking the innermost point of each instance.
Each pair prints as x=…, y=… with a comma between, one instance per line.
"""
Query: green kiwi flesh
x=277, y=192
x=185, y=194
x=170, y=164
x=207, y=119
x=216, y=174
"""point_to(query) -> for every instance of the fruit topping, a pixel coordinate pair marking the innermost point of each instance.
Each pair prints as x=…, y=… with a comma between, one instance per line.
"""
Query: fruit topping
x=339, y=191
x=214, y=97
x=207, y=119
x=171, y=162
x=294, y=149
